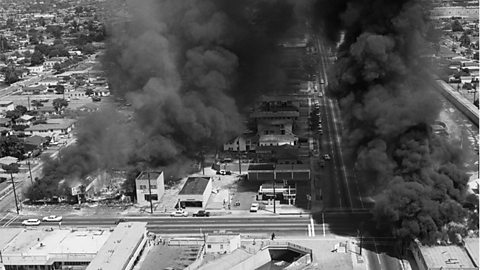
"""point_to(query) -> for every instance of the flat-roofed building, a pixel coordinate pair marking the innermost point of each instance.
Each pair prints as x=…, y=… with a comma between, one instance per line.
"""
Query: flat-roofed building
x=149, y=185
x=122, y=248
x=48, y=249
x=279, y=172
x=6, y=106
x=195, y=192
x=451, y=257
x=222, y=242
x=53, y=128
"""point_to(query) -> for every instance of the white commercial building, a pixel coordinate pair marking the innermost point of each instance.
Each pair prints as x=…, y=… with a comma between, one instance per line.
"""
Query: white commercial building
x=149, y=185
x=48, y=248
x=222, y=242
x=196, y=192
x=121, y=250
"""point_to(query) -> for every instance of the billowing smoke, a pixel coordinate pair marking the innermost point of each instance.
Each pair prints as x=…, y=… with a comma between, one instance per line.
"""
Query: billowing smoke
x=189, y=69
x=387, y=102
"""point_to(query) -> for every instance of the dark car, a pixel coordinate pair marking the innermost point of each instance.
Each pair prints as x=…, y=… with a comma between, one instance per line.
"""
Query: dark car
x=202, y=213
x=120, y=220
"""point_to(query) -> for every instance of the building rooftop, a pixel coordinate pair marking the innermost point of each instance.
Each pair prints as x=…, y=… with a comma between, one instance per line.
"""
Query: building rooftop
x=220, y=237
x=52, y=124
x=261, y=167
x=145, y=175
x=41, y=246
x=447, y=257
x=5, y=102
x=118, y=249
x=195, y=185
x=472, y=247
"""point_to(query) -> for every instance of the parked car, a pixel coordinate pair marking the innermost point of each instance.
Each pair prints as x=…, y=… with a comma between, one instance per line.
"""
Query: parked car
x=120, y=220
x=254, y=207
x=31, y=222
x=179, y=213
x=326, y=157
x=52, y=218
x=224, y=172
x=201, y=213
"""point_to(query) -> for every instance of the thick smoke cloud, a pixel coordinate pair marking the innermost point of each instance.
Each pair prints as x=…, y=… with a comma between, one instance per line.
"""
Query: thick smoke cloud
x=190, y=69
x=388, y=104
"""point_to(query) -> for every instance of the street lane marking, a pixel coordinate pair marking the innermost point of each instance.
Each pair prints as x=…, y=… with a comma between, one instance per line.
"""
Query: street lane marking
x=313, y=227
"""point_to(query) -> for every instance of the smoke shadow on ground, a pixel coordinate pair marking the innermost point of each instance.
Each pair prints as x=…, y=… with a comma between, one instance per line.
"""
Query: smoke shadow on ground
x=362, y=226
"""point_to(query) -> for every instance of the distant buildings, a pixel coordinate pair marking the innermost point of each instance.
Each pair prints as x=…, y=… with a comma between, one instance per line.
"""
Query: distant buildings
x=149, y=186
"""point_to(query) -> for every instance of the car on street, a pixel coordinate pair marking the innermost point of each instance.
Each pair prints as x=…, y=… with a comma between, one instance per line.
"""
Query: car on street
x=201, y=213
x=322, y=81
x=326, y=157
x=254, y=207
x=224, y=172
x=31, y=222
x=52, y=218
x=320, y=131
x=120, y=220
x=179, y=213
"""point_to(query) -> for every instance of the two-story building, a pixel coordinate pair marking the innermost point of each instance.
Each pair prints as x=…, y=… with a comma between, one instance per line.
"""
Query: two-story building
x=149, y=186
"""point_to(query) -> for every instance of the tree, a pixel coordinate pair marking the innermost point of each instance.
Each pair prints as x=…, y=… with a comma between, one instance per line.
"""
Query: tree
x=464, y=40
x=37, y=58
x=59, y=104
x=89, y=92
x=57, y=66
x=88, y=49
x=4, y=45
x=12, y=146
x=457, y=26
x=21, y=109
x=59, y=89
x=11, y=75
x=36, y=104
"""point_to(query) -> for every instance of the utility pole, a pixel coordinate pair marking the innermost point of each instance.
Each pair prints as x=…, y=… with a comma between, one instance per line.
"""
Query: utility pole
x=239, y=159
x=150, y=192
x=274, y=196
x=14, y=193
x=203, y=160
x=30, y=170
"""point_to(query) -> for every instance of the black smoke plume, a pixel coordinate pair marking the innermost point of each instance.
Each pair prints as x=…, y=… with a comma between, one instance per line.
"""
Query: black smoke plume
x=189, y=68
x=387, y=102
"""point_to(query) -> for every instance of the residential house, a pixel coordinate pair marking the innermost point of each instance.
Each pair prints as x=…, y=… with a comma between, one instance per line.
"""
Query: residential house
x=35, y=69
x=49, y=63
x=6, y=105
x=53, y=128
x=149, y=186
x=34, y=89
x=47, y=110
x=25, y=120
x=49, y=81
x=34, y=143
x=101, y=92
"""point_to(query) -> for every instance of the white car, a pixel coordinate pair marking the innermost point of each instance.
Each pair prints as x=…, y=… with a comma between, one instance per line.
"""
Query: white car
x=52, y=219
x=179, y=213
x=31, y=222
x=254, y=207
x=326, y=157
